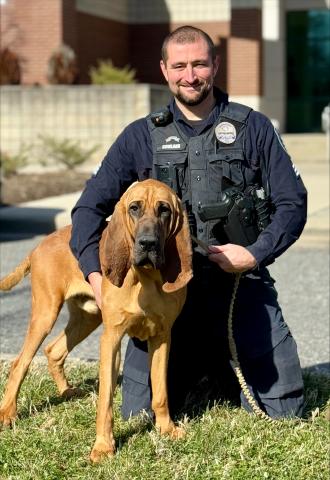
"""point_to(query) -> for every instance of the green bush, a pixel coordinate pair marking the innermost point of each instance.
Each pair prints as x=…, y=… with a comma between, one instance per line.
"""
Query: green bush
x=106, y=73
x=11, y=163
x=64, y=151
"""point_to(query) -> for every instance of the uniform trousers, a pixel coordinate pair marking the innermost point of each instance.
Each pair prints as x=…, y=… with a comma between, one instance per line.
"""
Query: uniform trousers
x=199, y=368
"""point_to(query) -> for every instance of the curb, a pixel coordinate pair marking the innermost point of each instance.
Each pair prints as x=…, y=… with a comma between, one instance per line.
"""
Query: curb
x=39, y=216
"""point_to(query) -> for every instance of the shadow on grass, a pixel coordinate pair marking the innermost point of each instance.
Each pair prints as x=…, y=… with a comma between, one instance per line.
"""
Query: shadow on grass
x=207, y=393
x=205, y=396
x=139, y=425
x=80, y=390
x=317, y=391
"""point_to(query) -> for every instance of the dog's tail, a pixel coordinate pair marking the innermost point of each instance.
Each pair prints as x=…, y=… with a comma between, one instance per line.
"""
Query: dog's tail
x=17, y=275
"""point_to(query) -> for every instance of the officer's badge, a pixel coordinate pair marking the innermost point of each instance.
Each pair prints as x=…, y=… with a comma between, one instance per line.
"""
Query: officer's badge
x=225, y=132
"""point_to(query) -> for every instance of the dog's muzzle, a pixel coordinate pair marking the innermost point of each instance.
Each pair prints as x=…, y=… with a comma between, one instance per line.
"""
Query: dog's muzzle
x=147, y=251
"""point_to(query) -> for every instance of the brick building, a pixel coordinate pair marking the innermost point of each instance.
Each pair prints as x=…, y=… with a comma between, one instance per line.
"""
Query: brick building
x=250, y=36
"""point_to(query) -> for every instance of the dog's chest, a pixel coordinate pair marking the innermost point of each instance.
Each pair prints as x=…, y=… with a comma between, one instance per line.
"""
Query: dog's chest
x=144, y=326
x=140, y=308
x=146, y=312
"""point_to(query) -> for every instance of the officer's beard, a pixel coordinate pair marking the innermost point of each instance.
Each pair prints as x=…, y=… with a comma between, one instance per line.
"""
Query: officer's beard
x=193, y=101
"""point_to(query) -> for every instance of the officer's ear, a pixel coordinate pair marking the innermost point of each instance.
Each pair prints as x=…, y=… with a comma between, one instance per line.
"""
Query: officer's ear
x=164, y=69
x=216, y=63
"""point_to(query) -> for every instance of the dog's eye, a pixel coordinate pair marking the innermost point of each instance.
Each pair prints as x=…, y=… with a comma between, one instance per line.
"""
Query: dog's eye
x=164, y=210
x=134, y=208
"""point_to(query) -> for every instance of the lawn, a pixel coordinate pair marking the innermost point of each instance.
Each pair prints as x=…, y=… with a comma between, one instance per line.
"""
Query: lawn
x=52, y=438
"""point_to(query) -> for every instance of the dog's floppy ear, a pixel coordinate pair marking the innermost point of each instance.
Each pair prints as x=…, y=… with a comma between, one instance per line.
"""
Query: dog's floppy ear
x=178, y=257
x=115, y=248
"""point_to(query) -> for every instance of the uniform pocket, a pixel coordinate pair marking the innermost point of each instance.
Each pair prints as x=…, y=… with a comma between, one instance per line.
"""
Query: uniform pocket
x=225, y=170
x=170, y=168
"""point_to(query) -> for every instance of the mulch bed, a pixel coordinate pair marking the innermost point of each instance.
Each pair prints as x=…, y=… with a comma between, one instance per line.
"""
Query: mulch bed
x=24, y=187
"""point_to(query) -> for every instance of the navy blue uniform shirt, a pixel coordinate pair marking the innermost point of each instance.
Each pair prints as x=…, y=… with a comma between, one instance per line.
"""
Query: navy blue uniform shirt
x=130, y=159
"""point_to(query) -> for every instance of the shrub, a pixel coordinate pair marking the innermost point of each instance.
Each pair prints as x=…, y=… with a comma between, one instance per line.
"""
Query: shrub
x=106, y=73
x=64, y=151
x=10, y=70
x=11, y=163
x=62, y=66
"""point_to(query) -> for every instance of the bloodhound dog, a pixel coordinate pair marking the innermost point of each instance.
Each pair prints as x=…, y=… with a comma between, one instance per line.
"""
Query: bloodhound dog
x=145, y=254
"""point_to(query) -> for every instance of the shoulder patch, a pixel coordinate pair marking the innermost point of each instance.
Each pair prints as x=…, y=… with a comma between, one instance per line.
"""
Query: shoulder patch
x=280, y=141
x=225, y=132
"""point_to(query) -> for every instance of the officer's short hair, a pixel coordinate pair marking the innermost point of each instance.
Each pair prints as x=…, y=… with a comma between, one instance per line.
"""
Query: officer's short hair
x=187, y=34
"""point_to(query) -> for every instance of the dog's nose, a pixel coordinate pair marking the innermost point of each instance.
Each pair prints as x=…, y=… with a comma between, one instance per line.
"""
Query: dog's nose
x=147, y=243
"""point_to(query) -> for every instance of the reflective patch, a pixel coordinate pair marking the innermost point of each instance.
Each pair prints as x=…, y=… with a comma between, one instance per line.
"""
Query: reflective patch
x=96, y=169
x=225, y=132
x=296, y=171
x=171, y=146
x=173, y=138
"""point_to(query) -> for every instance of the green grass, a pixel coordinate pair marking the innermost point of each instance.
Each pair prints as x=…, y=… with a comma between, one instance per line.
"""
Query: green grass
x=52, y=439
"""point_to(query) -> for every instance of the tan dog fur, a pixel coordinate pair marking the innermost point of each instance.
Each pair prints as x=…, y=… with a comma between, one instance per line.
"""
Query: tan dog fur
x=142, y=301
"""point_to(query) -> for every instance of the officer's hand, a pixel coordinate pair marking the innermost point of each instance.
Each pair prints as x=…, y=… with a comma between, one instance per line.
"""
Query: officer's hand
x=232, y=258
x=95, y=280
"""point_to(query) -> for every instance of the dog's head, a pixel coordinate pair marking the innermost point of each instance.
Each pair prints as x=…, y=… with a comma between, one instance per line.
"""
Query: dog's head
x=148, y=229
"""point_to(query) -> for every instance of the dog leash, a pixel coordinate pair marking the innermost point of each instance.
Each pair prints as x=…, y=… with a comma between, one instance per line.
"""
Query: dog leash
x=232, y=345
x=237, y=367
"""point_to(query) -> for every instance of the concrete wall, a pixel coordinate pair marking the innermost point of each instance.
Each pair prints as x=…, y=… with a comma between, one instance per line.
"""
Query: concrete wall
x=97, y=115
x=93, y=115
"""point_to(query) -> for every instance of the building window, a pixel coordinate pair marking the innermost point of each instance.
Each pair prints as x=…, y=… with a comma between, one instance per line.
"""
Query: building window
x=308, y=69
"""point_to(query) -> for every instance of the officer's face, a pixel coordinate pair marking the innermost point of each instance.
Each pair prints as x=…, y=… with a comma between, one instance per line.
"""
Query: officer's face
x=189, y=71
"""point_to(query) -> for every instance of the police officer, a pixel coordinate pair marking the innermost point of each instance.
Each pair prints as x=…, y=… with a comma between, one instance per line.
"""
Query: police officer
x=214, y=153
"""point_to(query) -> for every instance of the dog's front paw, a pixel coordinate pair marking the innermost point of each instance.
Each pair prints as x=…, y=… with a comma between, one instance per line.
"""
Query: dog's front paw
x=172, y=430
x=101, y=450
x=7, y=418
x=72, y=392
x=177, y=433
